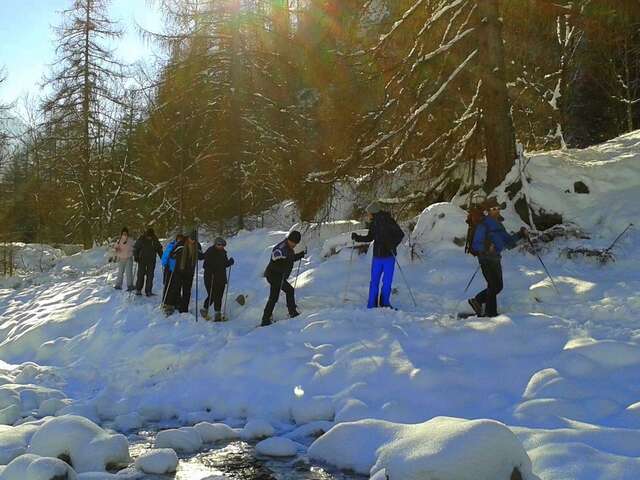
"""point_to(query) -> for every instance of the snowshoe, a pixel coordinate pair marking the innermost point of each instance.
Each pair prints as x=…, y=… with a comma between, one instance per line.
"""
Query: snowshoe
x=465, y=315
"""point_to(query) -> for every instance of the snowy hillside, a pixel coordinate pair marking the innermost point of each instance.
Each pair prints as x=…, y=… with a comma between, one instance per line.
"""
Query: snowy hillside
x=393, y=389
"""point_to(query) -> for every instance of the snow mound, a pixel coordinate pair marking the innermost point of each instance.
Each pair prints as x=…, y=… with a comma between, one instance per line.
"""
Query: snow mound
x=159, y=462
x=128, y=422
x=88, y=447
x=607, y=353
x=307, y=410
x=185, y=439
x=443, y=448
x=440, y=223
x=35, y=257
x=257, y=428
x=34, y=467
x=277, y=447
x=215, y=432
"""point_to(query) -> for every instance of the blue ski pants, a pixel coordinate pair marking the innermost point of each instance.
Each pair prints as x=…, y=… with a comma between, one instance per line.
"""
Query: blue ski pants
x=381, y=267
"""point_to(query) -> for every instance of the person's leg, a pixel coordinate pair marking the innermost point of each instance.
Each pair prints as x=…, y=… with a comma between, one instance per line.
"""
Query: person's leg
x=291, y=298
x=130, y=279
x=187, y=283
x=218, y=294
x=388, y=267
x=274, y=294
x=207, y=287
x=148, y=285
x=495, y=287
x=374, y=285
x=121, y=267
x=481, y=297
x=140, y=275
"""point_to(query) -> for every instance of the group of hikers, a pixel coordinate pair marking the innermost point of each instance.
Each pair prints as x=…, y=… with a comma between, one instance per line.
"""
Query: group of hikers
x=486, y=239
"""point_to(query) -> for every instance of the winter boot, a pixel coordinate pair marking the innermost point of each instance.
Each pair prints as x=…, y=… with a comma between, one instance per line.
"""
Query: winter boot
x=266, y=321
x=218, y=317
x=294, y=313
x=117, y=287
x=169, y=310
x=205, y=313
x=476, y=306
x=130, y=289
x=138, y=293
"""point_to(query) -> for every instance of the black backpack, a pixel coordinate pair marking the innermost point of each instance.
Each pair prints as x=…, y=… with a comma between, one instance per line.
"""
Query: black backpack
x=393, y=234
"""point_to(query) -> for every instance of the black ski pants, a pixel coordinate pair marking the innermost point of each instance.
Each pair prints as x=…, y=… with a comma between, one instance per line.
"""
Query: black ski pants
x=215, y=291
x=145, y=276
x=492, y=271
x=179, y=294
x=277, y=283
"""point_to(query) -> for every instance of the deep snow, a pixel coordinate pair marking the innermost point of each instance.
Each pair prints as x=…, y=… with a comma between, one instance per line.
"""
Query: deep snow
x=561, y=370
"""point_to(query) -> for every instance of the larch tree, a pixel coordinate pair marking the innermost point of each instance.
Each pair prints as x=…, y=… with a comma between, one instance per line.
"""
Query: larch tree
x=82, y=90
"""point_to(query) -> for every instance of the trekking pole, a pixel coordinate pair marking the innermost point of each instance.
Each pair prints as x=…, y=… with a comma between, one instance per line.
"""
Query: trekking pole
x=415, y=304
x=346, y=288
x=226, y=295
x=618, y=238
x=543, y=265
x=197, y=253
x=472, y=277
x=297, y=274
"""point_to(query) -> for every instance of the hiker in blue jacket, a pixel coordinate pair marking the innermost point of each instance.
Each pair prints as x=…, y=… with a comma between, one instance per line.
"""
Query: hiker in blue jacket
x=169, y=264
x=386, y=235
x=489, y=240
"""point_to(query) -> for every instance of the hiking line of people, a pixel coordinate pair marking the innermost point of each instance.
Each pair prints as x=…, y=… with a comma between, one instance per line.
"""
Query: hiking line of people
x=487, y=238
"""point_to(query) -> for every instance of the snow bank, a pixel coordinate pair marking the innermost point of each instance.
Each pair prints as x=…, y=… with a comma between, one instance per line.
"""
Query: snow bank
x=277, y=447
x=441, y=449
x=159, y=462
x=257, y=428
x=88, y=447
x=307, y=410
x=33, y=467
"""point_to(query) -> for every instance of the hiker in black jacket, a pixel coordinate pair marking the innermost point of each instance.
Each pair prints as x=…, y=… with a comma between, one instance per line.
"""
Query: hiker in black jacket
x=186, y=253
x=386, y=235
x=144, y=252
x=215, y=277
x=280, y=266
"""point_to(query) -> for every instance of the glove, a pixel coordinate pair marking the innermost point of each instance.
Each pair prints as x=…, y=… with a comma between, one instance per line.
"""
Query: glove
x=354, y=236
x=524, y=233
x=231, y=261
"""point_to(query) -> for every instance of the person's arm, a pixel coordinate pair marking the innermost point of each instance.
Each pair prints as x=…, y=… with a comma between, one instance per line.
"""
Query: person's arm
x=200, y=254
x=136, y=250
x=158, y=248
x=229, y=261
x=364, y=238
x=478, y=238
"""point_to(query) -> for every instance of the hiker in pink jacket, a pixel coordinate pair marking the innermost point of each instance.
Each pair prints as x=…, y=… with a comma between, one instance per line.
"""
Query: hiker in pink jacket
x=124, y=257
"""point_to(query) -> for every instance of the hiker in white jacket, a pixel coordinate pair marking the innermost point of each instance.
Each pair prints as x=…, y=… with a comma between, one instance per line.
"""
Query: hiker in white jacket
x=124, y=257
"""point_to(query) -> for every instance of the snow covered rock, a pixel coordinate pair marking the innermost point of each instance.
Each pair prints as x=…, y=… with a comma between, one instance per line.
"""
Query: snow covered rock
x=9, y=415
x=440, y=223
x=159, y=462
x=277, y=447
x=51, y=406
x=443, y=448
x=184, y=439
x=307, y=410
x=215, y=432
x=88, y=447
x=128, y=422
x=255, y=429
x=34, y=467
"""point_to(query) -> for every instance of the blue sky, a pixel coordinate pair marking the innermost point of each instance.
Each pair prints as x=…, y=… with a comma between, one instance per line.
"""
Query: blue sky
x=27, y=40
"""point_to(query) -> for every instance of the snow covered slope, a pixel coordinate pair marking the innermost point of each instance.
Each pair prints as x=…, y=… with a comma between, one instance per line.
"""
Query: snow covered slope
x=561, y=370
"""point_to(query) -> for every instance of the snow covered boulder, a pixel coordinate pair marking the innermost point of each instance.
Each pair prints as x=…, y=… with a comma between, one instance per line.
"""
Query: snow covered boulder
x=277, y=447
x=307, y=410
x=443, y=448
x=440, y=223
x=10, y=415
x=86, y=446
x=34, y=467
x=256, y=429
x=159, y=462
x=185, y=439
x=128, y=422
x=215, y=432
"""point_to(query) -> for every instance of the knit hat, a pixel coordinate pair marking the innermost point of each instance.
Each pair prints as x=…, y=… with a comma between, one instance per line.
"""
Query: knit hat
x=492, y=202
x=295, y=237
x=374, y=207
x=219, y=241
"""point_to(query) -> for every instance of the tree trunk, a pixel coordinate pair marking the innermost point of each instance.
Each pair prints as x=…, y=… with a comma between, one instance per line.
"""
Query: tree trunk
x=500, y=145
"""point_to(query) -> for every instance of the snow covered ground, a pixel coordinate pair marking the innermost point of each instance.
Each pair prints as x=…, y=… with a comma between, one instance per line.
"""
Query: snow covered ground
x=561, y=370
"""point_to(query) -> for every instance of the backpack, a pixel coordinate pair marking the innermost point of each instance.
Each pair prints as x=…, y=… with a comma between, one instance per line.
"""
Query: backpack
x=475, y=217
x=392, y=232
